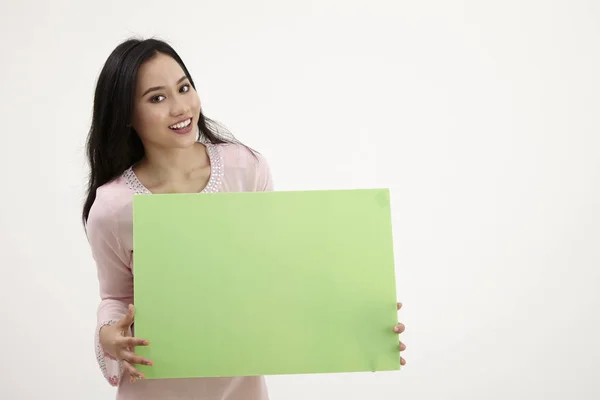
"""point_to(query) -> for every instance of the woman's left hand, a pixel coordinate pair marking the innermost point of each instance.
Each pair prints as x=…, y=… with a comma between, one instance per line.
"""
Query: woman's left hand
x=399, y=329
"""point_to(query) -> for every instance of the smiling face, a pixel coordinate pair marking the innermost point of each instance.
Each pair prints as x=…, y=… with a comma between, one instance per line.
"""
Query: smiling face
x=166, y=106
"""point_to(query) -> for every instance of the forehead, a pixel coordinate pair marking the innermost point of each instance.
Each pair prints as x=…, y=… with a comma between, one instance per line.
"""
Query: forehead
x=160, y=70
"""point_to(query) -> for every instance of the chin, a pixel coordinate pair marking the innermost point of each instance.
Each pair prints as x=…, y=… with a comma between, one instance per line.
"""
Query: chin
x=184, y=142
x=184, y=139
x=168, y=139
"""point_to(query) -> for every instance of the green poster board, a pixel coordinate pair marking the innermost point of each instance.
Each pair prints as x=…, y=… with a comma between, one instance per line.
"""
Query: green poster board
x=265, y=283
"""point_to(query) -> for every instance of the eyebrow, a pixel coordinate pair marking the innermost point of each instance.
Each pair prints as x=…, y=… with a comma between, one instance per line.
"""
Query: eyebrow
x=152, y=89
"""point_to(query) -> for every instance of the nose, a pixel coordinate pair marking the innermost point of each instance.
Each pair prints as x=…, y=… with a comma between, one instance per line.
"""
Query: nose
x=178, y=106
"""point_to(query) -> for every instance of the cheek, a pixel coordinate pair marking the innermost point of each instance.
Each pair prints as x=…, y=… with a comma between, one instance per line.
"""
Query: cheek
x=149, y=117
x=149, y=121
x=155, y=117
x=196, y=103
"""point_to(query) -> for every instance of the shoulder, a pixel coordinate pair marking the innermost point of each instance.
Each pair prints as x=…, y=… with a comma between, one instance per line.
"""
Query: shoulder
x=111, y=207
x=243, y=163
x=239, y=155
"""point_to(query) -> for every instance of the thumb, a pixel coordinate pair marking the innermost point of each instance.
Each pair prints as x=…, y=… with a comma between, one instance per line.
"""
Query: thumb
x=127, y=320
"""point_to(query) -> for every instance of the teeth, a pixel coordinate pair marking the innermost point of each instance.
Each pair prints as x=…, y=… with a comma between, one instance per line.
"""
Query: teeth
x=181, y=124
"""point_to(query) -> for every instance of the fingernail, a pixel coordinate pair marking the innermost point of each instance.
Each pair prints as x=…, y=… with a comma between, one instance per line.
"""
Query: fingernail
x=396, y=329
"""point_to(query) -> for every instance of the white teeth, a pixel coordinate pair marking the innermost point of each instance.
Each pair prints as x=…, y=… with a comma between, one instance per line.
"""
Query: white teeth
x=181, y=124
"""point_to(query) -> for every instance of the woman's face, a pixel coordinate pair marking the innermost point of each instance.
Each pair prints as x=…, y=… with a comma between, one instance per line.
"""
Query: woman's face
x=166, y=106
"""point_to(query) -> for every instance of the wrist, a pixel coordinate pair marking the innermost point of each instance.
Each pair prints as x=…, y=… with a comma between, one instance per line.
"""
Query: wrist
x=104, y=332
x=104, y=338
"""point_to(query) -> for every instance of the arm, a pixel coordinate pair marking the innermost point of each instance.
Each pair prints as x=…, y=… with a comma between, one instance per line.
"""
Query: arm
x=115, y=281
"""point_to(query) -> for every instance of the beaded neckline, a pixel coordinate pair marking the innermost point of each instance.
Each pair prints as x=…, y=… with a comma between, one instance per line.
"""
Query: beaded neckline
x=214, y=181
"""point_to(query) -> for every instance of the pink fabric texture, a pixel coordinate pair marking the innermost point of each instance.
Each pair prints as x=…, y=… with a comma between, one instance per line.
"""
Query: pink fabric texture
x=234, y=168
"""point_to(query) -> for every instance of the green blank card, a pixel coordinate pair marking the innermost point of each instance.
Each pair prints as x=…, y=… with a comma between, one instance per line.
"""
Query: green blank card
x=265, y=283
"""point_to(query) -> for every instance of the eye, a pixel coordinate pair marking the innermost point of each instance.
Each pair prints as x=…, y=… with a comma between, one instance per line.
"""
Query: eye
x=156, y=99
x=185, y=88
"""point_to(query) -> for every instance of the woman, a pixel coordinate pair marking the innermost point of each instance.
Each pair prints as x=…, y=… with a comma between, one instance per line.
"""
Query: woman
x=149, y=135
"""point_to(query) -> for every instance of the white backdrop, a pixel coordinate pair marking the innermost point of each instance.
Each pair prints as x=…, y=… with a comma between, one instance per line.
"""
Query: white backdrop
x=483, y=117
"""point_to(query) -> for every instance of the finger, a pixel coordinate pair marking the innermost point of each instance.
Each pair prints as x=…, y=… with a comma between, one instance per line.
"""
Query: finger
x=127, y=320
x=402, y=361
x=399, y=305
x=133, y=372
x=134, y=359
x=402, y=346
x=399, y=328
x=131, y=342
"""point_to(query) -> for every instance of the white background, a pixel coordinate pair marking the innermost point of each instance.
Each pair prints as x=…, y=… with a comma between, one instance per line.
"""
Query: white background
x=483, y=117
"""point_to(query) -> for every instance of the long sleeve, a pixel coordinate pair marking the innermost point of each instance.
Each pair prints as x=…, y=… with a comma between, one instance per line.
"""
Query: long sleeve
x=115, y=280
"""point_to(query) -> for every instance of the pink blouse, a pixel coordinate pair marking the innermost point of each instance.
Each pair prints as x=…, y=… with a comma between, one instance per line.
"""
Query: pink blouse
x=109, y=227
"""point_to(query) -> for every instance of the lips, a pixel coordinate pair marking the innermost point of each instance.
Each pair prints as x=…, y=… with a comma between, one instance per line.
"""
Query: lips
x=181, y=124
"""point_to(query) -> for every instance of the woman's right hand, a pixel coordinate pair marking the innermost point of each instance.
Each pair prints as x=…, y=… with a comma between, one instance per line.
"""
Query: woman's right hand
x=115, y=341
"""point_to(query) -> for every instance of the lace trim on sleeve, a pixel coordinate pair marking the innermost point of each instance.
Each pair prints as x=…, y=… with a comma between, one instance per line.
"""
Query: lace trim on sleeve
x=102, y=357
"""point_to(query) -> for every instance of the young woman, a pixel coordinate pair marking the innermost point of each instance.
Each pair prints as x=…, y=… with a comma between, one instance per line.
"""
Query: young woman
x=149, y=135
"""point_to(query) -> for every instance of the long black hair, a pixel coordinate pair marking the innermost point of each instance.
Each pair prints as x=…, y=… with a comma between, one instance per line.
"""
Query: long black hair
x=112, y=144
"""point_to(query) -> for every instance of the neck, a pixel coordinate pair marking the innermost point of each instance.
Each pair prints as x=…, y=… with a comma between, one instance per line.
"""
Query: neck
x=174, y=164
